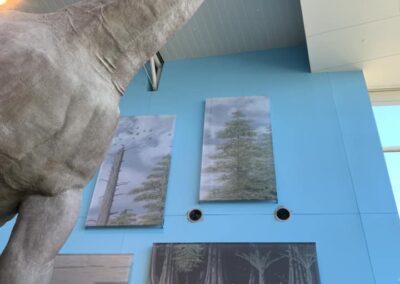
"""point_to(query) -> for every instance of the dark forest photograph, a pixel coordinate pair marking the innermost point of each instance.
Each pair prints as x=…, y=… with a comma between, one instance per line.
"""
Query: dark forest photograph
x=234, y=263
x=237, y=160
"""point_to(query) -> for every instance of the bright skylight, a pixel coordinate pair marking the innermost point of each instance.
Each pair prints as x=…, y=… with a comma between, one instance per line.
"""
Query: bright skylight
x=388, y=122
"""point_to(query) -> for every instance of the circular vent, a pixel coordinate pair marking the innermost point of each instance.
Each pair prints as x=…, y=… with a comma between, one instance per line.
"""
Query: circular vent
x=194, y=215
x=282, y=214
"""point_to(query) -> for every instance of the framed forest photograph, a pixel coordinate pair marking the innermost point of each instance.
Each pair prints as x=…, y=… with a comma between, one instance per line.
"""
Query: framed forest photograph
x=237, y=159
x=238, y=263
x=133, y=178
x=92, y=269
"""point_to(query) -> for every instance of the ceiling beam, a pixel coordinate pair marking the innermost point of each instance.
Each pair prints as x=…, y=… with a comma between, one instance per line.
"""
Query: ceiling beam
x=385, y=97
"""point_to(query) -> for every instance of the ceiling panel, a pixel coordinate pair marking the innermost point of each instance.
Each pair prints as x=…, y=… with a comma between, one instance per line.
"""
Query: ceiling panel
x=322, y=16
x=222, y=26
x=385, y=98
x=381, y=73
x=233, y=26
x=355, y=35
x=355, y=44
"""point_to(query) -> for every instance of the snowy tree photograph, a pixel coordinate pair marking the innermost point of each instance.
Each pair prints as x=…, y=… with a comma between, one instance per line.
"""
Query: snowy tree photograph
x=133, y=178
x=234, y=263
x=237, y=160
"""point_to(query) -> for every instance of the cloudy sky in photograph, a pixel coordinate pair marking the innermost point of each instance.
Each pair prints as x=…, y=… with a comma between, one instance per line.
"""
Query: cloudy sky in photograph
x=146, y=140
x=219, y=111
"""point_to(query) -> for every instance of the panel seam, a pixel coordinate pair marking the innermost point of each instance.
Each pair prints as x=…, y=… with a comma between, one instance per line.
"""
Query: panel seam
x=351, y=175
x=353, y=26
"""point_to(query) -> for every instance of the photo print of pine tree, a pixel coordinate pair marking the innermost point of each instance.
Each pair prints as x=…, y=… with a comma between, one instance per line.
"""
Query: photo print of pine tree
x=133, y=178
x=92, y=269
x=237, y=161
x=238, y=263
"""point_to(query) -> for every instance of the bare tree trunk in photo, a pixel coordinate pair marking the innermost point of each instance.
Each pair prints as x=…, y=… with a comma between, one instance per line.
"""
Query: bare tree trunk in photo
x=201, y=278
x=174, y=276
x=261, y=277
x=291, y=268
x=108, y=196
x=302, y=278
x=297, y=273
x=167, y=269
x=153, y=268
x=220, y=278
x=309, y=276
x=305, y=259
x=303, y=275
x=214, y=266
x=208, y=277
x=260, y=261
x=187, y=278
x=252, y=277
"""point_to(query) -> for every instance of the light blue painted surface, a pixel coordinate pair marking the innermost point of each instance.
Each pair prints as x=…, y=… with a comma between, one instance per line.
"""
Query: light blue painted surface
x=383, y=236
x=362, y=145
x=329, y=167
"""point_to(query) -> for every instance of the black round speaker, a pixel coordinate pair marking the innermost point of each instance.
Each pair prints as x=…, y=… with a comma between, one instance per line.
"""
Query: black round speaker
x=282, y=214
x=195, y=215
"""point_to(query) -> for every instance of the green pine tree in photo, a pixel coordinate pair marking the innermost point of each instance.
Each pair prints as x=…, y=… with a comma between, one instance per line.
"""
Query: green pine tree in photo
x=241, y=162
x=123, y=219
x=263, y=175
x=152, y=193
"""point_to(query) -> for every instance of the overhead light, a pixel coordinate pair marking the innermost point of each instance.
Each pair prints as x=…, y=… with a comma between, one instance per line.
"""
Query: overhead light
x=8, y=4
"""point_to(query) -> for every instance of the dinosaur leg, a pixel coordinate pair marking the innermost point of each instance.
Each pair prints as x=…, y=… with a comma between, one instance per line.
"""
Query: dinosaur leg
x=43, y=225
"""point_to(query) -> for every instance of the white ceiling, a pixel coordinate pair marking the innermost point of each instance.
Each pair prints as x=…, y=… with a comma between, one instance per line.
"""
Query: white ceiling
x=222, y=26
x=355, y=35
x=233, y=26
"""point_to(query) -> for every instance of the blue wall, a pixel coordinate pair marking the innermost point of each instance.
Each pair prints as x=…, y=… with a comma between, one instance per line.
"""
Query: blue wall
x=329, y=165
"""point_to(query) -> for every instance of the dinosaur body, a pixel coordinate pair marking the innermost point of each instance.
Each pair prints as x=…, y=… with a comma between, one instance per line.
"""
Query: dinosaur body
x=61, y=76
x=57, y=118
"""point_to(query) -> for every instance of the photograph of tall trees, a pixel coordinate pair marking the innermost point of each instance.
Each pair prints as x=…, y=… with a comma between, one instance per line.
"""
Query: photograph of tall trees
x=237, y=161
x=234, y=263
x=92, y=269
x=133, y=178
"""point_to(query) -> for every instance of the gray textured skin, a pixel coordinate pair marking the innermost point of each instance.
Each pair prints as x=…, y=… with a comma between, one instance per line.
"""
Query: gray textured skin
x=61, y=76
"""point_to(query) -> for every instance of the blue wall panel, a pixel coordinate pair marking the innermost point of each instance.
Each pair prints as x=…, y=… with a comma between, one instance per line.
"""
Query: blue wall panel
x=325, y=145
x=363, y=147
x=383, y=236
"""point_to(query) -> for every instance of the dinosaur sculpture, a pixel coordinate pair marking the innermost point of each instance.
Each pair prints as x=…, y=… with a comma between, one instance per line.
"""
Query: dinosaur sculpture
x=61, y=76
